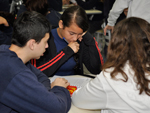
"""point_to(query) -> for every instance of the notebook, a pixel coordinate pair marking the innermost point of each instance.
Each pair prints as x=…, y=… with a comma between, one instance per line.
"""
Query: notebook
x=77, y=80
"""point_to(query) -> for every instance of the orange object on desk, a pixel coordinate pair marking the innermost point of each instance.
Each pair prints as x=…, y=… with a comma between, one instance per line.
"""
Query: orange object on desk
x=71, y=89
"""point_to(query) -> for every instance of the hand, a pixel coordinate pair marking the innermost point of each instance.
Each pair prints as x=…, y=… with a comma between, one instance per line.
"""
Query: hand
x=80, y=38
x=125, y=11
x=3, y=21
x=108, y=28
x=60, y=82
x=74, y=46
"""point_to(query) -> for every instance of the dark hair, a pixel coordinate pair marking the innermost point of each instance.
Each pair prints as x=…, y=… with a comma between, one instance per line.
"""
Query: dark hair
x=130, y=41
x=29, y=25
x=40, y=6
x=75, y=14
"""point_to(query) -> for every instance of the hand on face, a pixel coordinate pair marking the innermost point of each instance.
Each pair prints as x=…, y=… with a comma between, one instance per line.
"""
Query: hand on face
x=60, y=82
x=74, y=46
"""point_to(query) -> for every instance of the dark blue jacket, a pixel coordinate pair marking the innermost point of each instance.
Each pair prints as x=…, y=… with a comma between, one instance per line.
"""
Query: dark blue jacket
x=6, y=35
x=53, y=16
x=25, y=89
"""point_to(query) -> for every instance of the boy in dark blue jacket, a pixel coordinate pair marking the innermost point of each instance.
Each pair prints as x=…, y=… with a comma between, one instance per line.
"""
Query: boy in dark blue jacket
x=23, y=88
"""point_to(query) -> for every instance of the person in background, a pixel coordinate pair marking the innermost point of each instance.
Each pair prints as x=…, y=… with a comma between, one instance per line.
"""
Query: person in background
x=108, y=4
x=23, y=88
x=123, y=86
x=4, y=5
x=55, y=4
x=71, y=46
x=42, y=7
x=136, y=8
x=6, y=27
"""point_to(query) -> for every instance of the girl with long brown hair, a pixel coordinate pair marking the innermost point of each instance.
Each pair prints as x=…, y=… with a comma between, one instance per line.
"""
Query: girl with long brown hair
x=123, y=85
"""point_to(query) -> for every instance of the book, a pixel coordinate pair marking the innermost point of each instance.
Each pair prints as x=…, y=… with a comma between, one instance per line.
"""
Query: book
x=76, y=81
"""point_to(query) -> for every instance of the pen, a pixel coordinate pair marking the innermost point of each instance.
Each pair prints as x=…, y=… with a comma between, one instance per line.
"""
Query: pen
x=65, y=39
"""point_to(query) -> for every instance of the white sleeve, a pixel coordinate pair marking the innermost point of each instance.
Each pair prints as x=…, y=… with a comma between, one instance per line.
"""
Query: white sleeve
x=91, y=96
x=73, y=1
x=116, y=10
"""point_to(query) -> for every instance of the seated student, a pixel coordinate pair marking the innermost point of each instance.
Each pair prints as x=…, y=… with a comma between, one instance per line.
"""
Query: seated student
x=42, y=7
x=23, y=88
x=6, y=27
x=124, y=84
x=69, y=48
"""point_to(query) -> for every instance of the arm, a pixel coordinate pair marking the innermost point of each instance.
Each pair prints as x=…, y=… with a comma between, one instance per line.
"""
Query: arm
x=41, y=77
x=52, y=60
x=29, y=95
x=117, y=9
x=3, y=21
x=6, y=34
x=87, y=5
x=91, y=55
x=91, y=96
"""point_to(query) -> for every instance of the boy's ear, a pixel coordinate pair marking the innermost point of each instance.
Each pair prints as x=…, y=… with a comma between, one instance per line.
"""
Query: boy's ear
x=31, y=44
x=61, y=24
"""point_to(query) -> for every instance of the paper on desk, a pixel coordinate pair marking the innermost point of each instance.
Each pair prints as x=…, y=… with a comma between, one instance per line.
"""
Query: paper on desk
x=74, y=80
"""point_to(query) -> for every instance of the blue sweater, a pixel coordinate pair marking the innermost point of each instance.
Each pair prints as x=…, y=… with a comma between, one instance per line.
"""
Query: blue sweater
x=25, y=89
x=6, y=35
x=67, y=68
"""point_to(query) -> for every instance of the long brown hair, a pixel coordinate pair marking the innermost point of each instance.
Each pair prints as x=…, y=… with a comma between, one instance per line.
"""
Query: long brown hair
x=130, y=41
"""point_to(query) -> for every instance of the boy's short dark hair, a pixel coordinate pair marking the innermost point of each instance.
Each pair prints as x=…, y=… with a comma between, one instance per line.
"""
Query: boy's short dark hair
x=29, y=25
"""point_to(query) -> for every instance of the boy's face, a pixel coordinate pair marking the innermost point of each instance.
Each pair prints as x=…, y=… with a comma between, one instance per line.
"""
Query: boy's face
x=41, y=47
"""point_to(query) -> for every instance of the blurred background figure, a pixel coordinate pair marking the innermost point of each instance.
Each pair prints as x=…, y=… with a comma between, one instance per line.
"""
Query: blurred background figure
x=41, y=6
x=55, y=4
x=15, y=6
x=136, y=8
x=6, y=27
x=4, y=5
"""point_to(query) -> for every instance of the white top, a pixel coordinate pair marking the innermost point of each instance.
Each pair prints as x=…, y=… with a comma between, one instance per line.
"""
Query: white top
x=73, y=1
x=137, y=8
x=112, y=96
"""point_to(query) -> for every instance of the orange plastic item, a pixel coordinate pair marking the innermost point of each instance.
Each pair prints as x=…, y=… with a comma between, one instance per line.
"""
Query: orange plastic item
x=71, y=89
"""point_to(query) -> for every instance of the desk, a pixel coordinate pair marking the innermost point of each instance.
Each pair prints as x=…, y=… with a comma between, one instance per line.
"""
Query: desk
x=74, y=109
x=88, y=12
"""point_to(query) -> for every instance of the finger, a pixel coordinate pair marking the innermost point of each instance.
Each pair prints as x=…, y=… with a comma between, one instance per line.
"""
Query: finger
x=6, y=24
x=112, y=30
x=105, y=31
x=65, y=80
x=80, y=39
